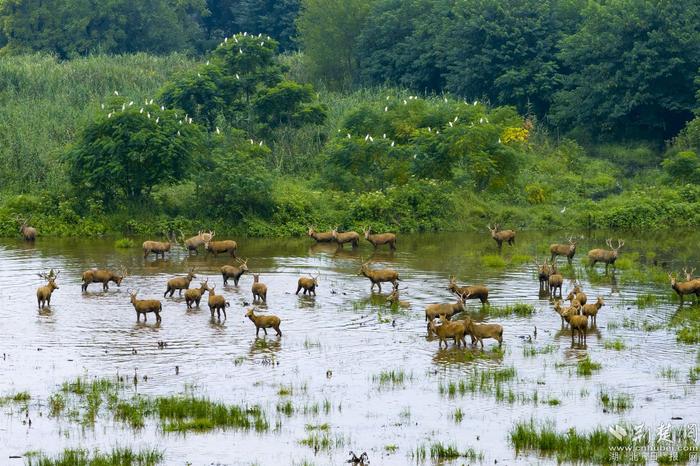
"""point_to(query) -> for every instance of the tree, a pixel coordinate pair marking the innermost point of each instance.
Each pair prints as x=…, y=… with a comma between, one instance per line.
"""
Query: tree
x=71, y=28
x=399, y=44
x=631, y=67
x=683, y=166
x=328, y=33
x=128, y=150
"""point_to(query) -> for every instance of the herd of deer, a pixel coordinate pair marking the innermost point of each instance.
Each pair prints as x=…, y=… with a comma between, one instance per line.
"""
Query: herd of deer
x=439, y=316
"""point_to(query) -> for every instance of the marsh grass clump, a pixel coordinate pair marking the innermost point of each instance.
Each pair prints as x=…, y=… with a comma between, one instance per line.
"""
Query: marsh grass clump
x=571, y=446
x=587, y=367
x=458, y=415
x=57, y=403
x=117, y=457
x=493, y=261
x=617, y=344
x=518, y=309
x=286, y=408
x=184, y=413
x=483, y=381
x=669, y=373
x=19, y=397
x=321, y=440
x=687, y=324
x=124, y=243
x=646, y=300
x=615, y=403
x=393, y=378
x=440, y=452
x=133, y=412
x=532, y=351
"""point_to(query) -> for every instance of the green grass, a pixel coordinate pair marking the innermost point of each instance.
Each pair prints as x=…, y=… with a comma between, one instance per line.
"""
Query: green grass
x=391, y=448
x=124, y=243
x=458, y=415
x=117, y=457
x=587, y=367
x=615, y=403
x=19, y=397
x=483, y=381
x=185, y=413
x=686, y=322
x=493, y=261
x=669, y=373
x=393, y=378
x=569, y=446
x=322, y=441
x=57, y=403
x=440, y=452
x=532, y=351
x=286, y=408
x=518, y=309
x=646, y=300
x=617, y=344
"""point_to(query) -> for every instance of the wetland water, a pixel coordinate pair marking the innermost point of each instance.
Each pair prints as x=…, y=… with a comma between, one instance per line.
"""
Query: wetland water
x=328, y=363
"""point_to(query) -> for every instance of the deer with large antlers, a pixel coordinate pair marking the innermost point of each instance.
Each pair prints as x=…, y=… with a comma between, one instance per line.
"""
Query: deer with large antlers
x=43, y=294
x=103, y=276
x=685, y=288
x=380, y=239
x=193, y=243
x=159, y=248
x=234, y=271
x=27, y=232
x=499, y=236
x=606, y=256
x=566, y=250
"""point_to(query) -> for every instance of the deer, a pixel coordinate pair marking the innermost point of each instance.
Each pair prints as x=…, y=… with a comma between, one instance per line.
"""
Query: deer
x=218, y=247
x=591, y=310
x=193, y=243
x=259, y=289
x=566, y=250
x=689, y=275
x=28, y=233
x=378, y=276
x=603, y=255
x=685, y=288
x=264, y=322
x=234, y=271
x=217, y=303
x=351, y=237
x=102, y=276
x=577, y=294
x=321, y=237
x=43, y=293
x=499, y=236
x=194, y=296
x=480, y=292
x=309, y=284
x=543, y=273
x=443, y=309
x=556, y=280
x=144, y=306
x=179, y=283
x=158, y=247
x=394, y=300
x=448, y=329
x=380, y=239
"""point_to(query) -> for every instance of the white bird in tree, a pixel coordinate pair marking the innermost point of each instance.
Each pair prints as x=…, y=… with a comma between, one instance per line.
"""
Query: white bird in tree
x=109, y=115
x=141, y=111
x=235, y=39
x=481, y=120
x=131, y=103
x=251, y=142
x=162, y=108
x=240, y=51
x=245, y=33
x=476, y=102
x=150, y=102
x=123, y=107
x=261, y=143
x=367, y=137
x=178, y=132
x=148, y=114
x=404, y=101
x=207, y=62
x=157, y=120
x=450, y=124
x=102, y=106
x=392, y=143
x=262, y=43
x=225, y=40
x=456, y=118
x=237, y=77
x=445, y=98
x=384, y=136
x=371, y=139
x=116, y=93
x=349, y=136
x=430, y=130
x=499, y=140
x=386, y=109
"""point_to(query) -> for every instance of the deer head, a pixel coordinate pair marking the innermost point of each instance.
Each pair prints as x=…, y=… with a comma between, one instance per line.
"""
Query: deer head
x=243, y=264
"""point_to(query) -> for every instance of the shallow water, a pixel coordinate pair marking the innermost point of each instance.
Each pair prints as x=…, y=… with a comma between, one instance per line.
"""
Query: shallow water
x=332, y=347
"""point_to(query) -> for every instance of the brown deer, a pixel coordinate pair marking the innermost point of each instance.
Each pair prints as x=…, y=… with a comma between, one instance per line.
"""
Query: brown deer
x=102, y=276
x=321, y=237
x=309, y=284
x=219, y=247
x=566, y=250
x=480, y=292
x=158, y=247
x=394, y=300
x=543, y=273
x=443, y=309
x=264, y=322
x=380, y=239
x=685, y=288
x=193, y=243
x=179, y=283
x=27, y=232
x=194, y=296
x=499, y=236
x=378, y=276
x=233, y=271
x=347, y=237
x=144, y=306
x=577, y=294
x=447, y=329
x=603, y=255
x=217, y=303
x=43, y=294
x=556, y=280
x=688, y=275
x=591, y=310
x=259, y=289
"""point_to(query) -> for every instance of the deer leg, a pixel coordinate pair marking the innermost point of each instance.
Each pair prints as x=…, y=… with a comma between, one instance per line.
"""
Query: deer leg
x=257, y=332
x=379, y=285
x=279, y=332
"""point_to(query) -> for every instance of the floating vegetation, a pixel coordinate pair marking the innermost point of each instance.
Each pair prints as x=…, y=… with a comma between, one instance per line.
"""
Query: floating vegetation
x=532, y=351
x=617, y=344
x=518, y=309
x=117, y=457
x=615, y=403
x=391, y=448
x=393, y=378
x=586, y=366
x=124, y=243
x=594, y=447
x=440, y=452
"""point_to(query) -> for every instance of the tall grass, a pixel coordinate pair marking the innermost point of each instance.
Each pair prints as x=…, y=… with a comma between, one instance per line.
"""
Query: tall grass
x=117, y=457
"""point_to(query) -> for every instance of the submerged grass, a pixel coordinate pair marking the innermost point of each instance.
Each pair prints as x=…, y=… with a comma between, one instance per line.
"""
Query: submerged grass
x=124, y=243
x=117, y=457
x=617, y=344
x=686, y=321
x=19, y=397
x=597, y=446
x=615, y=403
x=586, y=366
x=183, y=413
x=393, y=378
x=483, y=381
x=532, y=351
x=440, y=452
x=518, y=309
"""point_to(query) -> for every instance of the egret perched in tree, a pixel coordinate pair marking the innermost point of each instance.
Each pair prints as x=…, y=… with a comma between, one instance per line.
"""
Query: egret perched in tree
x=404, y=101
x=109, y=115
x=141, y=111
x=123, y=107
x=386, y=109
x=178, y=132
x=261, y=44
x=392, y=143
x=261, y=143
x=116, y=93
x=218, y=131
x=481, y=120
x=207, y=62
x=237, y=77
x=499, y=140
x=384, y=136
x=371, y=139
x=251, y=142
x=148, y=114
x=157, y=120
x=162, y=108
x=445, y=98
x=240, y=51
x=131, y=103
x=456, y=118
x=349, y=136
x=225, y=40
x=234, y=38
x=102, y=106
x=476, y=102
x=367, y=137
x=430, y=130
x=450, y=124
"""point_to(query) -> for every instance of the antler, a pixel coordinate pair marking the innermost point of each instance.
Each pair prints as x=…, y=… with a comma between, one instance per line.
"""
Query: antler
x=620, y=243
x=609, y=243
